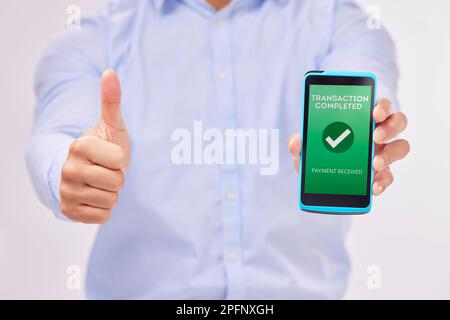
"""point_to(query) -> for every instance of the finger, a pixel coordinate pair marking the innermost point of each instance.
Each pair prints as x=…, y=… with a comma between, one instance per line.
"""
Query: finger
x=296, y=163
x=103, y=178
x=391, y=152
x=295, y=145
x=86, y=214
x=95, y=176
x=390, y=128
x=84, y=194
x=382, y=181
x=382, y=110
x=110, y=100
x=99, y=151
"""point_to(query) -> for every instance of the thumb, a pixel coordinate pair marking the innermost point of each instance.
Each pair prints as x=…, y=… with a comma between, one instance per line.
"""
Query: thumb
x=111, y=126
x=110, y=100
x=295, y=144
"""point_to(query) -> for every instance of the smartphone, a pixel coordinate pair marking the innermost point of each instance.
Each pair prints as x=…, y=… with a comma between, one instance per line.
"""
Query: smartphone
x=337, y=147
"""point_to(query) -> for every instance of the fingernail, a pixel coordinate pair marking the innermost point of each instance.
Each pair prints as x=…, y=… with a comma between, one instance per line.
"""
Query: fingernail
x=377, y=188
x=379, y=162
x=380, y=134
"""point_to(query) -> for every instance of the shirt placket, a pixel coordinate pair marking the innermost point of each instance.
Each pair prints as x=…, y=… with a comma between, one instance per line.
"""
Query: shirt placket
x=229, y=173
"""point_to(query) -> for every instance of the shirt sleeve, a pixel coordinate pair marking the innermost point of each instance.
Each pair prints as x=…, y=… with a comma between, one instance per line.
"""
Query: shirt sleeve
x=67, y=103
x=355, y=46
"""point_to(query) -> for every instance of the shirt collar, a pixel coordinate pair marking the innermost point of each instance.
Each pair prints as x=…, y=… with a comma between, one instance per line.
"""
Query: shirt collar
x=160, y=3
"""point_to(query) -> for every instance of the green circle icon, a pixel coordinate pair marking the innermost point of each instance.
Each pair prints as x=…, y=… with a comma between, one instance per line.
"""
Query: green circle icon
x=338, y=137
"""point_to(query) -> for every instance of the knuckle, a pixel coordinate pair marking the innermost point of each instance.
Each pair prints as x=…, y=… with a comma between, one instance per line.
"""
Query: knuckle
x=403, y=118
x=399, y=122
x=389, y=179
x=115, y=198
x=120, y=159
x=77, y=147
x=400, y=148
x=69, y=210
x=385, y=103
x=69, y=170
x=119, y=180
x=64, y=191
x=111, y=199
x=103, y=217
x=64, y=208
x=405, y=144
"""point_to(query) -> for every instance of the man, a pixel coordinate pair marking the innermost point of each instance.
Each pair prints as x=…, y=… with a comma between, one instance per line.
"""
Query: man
x=200, y=231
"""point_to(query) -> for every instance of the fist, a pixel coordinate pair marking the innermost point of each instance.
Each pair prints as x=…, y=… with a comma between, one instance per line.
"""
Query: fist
x=94, y=171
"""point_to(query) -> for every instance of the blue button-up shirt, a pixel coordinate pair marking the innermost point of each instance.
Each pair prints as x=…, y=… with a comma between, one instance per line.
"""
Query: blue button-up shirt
x=211, y=230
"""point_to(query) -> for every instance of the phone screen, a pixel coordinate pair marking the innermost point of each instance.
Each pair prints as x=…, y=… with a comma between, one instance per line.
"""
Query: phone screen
x=338, y=139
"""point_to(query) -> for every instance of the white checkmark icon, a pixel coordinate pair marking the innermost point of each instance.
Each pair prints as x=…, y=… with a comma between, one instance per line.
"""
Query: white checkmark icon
x=335, y=143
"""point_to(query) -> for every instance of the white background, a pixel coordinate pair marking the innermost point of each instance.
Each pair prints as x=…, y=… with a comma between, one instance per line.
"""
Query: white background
x=407, y=236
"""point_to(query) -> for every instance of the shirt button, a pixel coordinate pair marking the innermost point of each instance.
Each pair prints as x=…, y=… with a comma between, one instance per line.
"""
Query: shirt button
x=223, y=76
x=232, y=256
x=220, y=22
x=230, y=195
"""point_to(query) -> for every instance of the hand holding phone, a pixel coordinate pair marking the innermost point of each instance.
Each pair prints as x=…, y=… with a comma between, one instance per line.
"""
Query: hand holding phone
x=334, y=143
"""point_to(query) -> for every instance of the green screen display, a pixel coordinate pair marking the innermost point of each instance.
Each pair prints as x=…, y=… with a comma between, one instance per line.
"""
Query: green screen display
x=338, y=139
